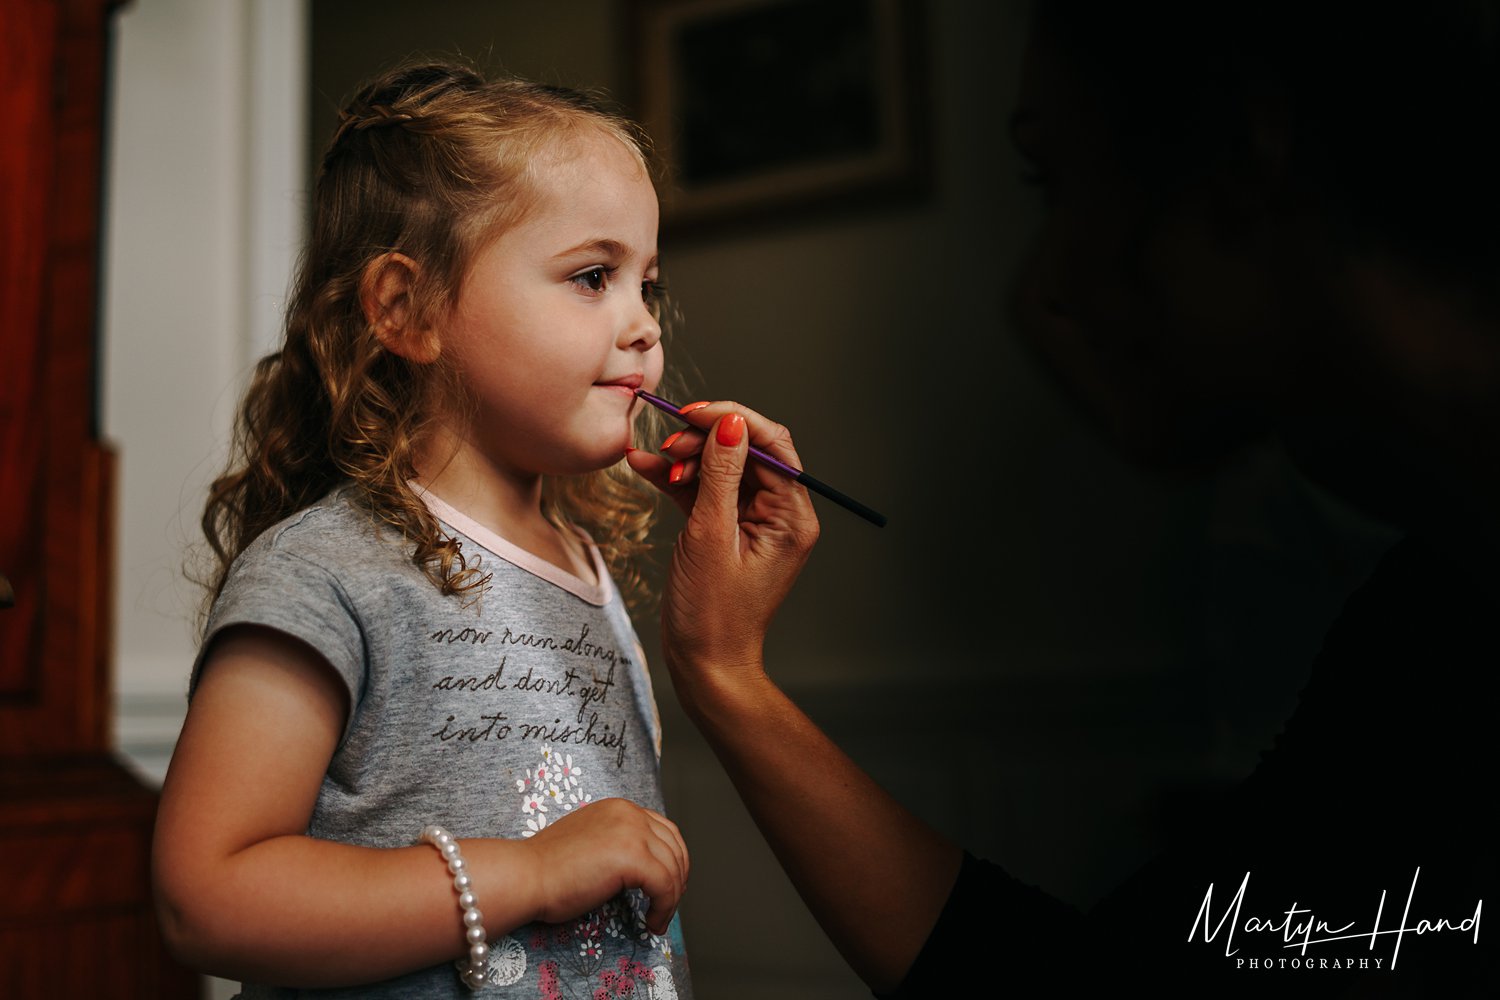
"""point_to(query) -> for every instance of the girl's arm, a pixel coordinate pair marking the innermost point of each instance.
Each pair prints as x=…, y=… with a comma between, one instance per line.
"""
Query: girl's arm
x=874, y=875
x=243, y=892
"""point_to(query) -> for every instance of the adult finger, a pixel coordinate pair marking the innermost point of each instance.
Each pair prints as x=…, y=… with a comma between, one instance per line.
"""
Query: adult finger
x=765, y=433
x=683, y=444
x=657, y=470
x=721, y=468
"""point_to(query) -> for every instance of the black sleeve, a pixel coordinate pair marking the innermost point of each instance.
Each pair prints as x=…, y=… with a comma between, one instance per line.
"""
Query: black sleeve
x=991, y=915
x=1379, y=789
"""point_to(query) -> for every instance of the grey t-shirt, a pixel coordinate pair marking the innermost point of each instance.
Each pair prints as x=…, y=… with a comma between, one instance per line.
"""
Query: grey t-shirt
x=491, y=717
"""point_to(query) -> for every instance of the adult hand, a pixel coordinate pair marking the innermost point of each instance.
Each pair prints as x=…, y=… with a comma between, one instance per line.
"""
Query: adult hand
x=749, y=531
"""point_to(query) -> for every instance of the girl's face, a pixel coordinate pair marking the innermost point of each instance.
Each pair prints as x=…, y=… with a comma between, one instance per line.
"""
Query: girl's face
x=554, y=327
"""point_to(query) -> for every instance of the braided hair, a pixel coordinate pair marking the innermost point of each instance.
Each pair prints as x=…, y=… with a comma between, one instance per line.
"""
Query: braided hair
x=429, y=160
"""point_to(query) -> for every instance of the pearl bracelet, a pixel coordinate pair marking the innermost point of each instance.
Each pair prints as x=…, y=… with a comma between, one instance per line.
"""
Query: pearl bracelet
x=475, y=968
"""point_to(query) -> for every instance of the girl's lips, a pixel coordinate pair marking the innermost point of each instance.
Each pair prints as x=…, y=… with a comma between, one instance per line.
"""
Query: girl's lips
x=625, y=386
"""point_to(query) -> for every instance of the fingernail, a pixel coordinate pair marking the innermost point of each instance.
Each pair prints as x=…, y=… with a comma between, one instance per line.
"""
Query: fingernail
x=668, y=442
x=675, y=476
x=628, y=449
x=731, y=429
x=691, y=407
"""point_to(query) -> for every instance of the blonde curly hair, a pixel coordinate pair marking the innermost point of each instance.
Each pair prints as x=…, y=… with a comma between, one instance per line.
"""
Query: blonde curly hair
x=429, y=160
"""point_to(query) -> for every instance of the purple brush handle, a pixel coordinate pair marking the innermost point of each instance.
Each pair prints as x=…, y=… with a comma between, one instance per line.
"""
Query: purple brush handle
x=816, y=485
x=676, y=411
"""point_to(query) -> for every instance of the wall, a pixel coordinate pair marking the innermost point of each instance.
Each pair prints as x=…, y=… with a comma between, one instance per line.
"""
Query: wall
x=204, y=206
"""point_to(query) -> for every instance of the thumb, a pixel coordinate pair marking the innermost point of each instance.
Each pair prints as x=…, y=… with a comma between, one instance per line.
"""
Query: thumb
x=722, y=466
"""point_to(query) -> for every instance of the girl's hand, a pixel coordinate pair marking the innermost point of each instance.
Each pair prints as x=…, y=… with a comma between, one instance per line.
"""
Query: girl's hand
x=749, y=531
x=596, y=852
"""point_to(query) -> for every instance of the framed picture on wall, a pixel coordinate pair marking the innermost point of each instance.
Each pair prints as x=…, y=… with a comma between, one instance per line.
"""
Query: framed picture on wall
x=772, y=107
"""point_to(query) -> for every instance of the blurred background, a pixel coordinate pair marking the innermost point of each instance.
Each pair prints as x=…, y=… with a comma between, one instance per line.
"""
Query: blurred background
x=1047, y=653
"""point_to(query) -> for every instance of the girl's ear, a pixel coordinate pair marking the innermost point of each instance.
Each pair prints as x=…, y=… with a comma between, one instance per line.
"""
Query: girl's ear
x=385, y=296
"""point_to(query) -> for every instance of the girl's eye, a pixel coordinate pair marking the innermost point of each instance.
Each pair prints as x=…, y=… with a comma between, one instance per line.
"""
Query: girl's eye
x=652, y=293
x=594, y=279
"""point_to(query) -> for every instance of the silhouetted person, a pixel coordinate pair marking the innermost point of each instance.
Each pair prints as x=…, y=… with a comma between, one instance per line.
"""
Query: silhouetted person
x=1263, y=219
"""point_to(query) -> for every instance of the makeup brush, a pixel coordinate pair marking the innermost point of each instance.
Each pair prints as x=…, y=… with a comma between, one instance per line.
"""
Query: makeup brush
x=817, y=486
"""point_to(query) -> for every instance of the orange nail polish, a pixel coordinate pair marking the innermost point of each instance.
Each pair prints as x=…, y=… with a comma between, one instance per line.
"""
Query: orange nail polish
x=628, y=449
x=731, y=430
x=669, y=441
x=675, y=476
x=691, y=407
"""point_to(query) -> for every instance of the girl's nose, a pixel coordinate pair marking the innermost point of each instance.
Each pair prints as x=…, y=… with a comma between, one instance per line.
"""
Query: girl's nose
x=641, y=331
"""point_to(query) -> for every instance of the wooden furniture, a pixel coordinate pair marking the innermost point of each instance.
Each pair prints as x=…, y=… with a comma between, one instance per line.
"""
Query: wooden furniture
x=75, y=827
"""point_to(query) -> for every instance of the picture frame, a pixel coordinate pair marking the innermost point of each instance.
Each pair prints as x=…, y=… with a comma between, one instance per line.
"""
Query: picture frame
x=766, y=109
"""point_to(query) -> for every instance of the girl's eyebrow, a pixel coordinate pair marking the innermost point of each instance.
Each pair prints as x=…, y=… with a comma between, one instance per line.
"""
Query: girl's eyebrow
x=603, y=247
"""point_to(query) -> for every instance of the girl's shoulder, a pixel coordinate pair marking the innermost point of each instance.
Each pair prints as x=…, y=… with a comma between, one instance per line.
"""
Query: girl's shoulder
x=336, y=535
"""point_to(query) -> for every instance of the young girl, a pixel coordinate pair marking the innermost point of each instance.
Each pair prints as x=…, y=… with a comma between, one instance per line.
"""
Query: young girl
x=412, y=636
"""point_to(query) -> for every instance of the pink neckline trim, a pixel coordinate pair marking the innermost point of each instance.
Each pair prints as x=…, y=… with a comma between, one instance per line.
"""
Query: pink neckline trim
x=597, y=594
